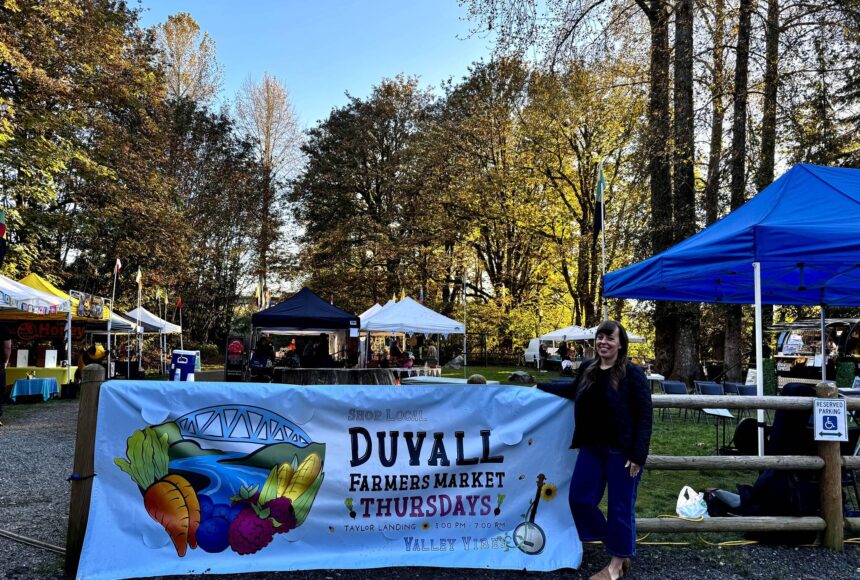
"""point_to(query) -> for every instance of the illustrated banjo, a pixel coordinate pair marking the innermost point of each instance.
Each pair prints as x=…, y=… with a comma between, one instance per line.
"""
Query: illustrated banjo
x=528, y=536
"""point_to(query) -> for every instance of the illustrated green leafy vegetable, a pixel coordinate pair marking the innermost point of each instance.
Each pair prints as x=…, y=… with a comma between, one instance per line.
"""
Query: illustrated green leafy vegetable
x=147, y=457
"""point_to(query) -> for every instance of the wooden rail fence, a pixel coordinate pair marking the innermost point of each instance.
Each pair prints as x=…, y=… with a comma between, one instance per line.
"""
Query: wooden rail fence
x=829, y=461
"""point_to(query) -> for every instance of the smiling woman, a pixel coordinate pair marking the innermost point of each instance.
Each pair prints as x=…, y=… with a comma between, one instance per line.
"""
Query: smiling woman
x=612, y=432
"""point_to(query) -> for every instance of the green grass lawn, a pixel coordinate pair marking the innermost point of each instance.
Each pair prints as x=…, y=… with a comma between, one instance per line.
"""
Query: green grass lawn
x=500, y=374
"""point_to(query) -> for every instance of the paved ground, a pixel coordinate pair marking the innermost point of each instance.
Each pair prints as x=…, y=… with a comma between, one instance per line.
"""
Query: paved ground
x=36, y=447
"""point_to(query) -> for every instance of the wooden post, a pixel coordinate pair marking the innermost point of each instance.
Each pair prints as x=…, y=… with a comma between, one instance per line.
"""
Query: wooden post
x=79, y=509
x=831, y=480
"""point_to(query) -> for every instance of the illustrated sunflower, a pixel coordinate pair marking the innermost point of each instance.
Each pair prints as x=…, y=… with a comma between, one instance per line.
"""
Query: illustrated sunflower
x=548, y=492
x=425, y=526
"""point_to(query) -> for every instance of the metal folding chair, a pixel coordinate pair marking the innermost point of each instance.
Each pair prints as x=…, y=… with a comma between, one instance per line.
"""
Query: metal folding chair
x=673, y=388
x=708, y=388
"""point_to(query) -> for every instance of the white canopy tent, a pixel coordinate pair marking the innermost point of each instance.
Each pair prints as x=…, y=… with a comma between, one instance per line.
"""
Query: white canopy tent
x=145, y=317
x=404, y=317
x=373, y=311
x=148, y=317
x=410, y=317
x=17, y=296
x=563, y=333
x=367, y=314
x=119, y=325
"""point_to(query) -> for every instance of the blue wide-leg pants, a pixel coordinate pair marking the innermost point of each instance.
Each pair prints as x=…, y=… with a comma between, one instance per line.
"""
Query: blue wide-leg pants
x=597, y=468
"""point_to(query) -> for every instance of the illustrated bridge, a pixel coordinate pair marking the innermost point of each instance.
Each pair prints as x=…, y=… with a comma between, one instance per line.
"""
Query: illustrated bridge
x=241, y=424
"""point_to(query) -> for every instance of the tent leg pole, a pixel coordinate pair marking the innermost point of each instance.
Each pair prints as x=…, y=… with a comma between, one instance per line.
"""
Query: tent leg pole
x=823, y=347
x=69, y=344
x=759, y=355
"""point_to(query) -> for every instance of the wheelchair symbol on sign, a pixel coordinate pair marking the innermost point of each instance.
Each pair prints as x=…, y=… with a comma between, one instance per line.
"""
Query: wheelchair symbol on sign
x=830, y=423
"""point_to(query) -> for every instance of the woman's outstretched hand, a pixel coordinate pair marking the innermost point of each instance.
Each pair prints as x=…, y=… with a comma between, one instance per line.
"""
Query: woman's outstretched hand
x=634, y=468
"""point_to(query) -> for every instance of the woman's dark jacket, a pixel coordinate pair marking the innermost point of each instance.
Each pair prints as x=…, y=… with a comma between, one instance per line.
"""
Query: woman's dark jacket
x=632, y=407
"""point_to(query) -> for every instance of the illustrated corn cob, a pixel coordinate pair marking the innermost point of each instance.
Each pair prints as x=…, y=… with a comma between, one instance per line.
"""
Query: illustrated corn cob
x=285, y=474
x=303, y=477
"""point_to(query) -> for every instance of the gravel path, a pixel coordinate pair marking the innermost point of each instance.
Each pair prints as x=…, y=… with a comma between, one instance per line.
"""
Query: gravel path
x=36, y=448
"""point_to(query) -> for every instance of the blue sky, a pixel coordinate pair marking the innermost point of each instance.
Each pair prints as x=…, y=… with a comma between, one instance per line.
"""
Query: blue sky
x=324, y=48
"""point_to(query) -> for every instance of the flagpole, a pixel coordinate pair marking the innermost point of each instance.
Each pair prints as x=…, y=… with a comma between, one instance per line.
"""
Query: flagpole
x=110, y=316
x=179, y=305
x=137, y=330
x=160, y=341
x=465, y=355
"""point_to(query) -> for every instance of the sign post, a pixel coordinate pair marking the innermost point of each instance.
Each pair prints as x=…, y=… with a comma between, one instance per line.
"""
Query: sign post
x=830, y=429
x=830, y=420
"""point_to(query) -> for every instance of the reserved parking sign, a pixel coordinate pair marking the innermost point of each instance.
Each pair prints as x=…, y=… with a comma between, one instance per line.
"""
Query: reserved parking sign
x=830, y=420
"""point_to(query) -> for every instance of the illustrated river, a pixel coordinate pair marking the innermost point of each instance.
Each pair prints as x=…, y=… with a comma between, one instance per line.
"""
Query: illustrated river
x=224, y=479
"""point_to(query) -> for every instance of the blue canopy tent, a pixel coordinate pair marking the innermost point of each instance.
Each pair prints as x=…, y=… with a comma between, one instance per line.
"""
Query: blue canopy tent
x=306, y=313
x=304, y=310
x=796, y=242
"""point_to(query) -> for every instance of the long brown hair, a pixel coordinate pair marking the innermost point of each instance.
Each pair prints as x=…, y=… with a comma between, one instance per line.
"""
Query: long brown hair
x=619, y=369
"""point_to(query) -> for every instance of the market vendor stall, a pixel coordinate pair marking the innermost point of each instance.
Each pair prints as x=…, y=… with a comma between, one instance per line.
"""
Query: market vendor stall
x=30, y=313
x=409, y=317
x=49, y=332
x=322, y=330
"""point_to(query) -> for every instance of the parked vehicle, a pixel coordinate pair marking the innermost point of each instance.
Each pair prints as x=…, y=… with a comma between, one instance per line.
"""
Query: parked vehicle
x=798, y=346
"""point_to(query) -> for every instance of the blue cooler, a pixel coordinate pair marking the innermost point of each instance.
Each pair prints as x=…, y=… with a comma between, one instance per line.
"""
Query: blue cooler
x=182, y=365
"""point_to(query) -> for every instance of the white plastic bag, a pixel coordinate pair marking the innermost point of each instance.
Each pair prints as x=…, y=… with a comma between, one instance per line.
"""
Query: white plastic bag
x=691, y=505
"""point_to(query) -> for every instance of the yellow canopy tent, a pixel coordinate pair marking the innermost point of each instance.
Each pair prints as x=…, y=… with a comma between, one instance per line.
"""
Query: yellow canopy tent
x=38, y=283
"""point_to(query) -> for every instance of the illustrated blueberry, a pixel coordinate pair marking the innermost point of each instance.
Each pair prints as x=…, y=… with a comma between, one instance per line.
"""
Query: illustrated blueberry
x=221, y=510
x=206, y=507
x=212, y=535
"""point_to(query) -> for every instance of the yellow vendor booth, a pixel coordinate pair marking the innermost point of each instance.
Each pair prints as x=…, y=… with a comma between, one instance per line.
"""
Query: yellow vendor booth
x=28, y=312
x=45, y=336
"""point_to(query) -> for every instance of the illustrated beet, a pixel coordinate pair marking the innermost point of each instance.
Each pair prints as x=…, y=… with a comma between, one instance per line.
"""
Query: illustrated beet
x=281, y=510
x=249, y=533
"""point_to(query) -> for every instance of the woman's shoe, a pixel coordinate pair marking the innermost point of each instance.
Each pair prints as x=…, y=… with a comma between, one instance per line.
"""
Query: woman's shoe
x=605, y=574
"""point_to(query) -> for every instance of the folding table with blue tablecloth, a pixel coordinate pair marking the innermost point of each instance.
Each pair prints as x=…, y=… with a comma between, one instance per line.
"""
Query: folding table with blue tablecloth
x=46, y=387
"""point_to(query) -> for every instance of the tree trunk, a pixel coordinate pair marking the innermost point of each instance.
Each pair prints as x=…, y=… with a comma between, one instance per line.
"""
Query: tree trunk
x=738, y=167
x=684, y=194
x=264, y=239
x=659, y=171
x=764, y=176
x=712, y=183
x=733, y=350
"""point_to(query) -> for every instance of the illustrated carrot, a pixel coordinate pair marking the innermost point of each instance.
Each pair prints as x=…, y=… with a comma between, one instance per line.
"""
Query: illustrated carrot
x=165, y=504
x=191, y=503
x=168, y=498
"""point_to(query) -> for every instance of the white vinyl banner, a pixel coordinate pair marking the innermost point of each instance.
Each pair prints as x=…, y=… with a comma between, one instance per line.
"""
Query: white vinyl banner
x=237, y=477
